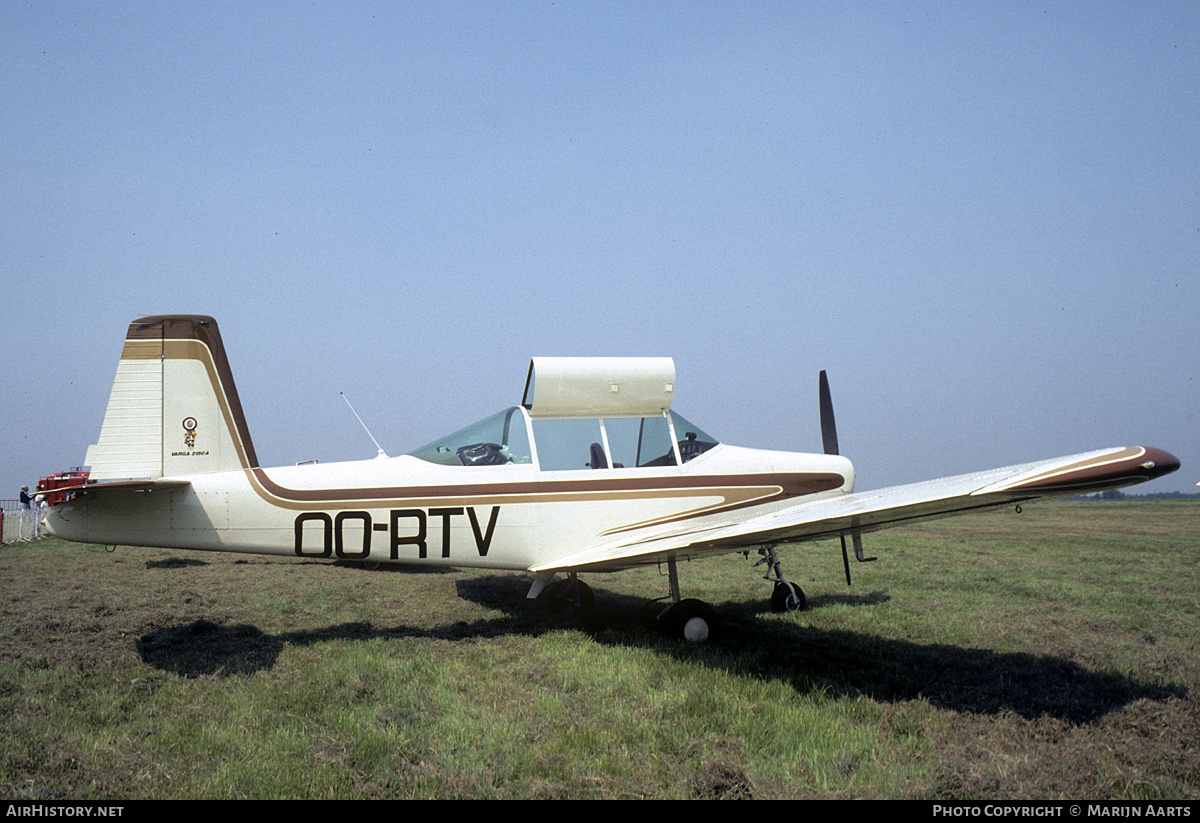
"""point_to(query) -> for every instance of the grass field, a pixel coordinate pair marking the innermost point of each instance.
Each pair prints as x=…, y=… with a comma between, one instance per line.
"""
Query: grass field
x=1047, y=654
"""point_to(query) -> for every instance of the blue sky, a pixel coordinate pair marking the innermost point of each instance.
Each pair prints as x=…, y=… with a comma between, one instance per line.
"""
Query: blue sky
x=982, y=219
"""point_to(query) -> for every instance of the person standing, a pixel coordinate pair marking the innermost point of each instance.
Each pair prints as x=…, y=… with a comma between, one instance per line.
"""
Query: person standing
x=39, y=518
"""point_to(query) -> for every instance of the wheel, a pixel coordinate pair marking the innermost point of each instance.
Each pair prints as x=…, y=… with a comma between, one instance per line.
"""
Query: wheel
x=568, y=597
x=788, y=597
x=692, y=620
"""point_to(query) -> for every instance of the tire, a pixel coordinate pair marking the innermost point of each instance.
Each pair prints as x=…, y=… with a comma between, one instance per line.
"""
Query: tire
x=788, y=597
x=692, y=620
x=568, y=597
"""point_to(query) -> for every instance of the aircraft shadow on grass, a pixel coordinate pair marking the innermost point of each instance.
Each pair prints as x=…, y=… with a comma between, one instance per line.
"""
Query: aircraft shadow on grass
x=811, y=659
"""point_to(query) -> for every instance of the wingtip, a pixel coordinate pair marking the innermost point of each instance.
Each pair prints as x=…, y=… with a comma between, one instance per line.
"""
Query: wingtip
x=1097, y=471
x=1158, y=463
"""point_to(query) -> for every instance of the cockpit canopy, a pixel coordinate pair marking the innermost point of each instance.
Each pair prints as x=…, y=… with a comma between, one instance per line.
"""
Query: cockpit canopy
x=562, y=444
x=582, y=412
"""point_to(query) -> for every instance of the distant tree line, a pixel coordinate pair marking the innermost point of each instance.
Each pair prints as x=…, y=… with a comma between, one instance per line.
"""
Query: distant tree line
x=1117, y=494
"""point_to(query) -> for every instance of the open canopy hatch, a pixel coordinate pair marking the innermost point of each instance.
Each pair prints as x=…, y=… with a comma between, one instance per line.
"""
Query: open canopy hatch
x=579, y=413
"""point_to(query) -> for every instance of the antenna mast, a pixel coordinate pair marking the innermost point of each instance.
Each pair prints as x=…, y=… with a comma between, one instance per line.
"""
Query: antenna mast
x=364, y=425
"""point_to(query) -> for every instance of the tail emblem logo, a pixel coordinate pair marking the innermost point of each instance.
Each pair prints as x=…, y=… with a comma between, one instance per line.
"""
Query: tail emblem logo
x=189, y=429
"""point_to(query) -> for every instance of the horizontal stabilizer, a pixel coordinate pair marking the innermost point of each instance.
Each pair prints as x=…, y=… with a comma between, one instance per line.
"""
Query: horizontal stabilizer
x=127, y=486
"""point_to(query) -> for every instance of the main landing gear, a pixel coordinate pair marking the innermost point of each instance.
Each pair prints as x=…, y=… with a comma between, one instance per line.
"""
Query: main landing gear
x=696, y=621
x=692, y=620
x=568, y=597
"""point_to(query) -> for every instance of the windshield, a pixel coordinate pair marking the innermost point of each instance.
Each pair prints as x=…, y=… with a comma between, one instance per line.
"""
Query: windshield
x=499, y=440
x=693, y=441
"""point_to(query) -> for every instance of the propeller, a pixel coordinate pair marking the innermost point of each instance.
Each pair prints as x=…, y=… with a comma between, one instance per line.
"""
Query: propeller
x=828, y=427
x=830, y=444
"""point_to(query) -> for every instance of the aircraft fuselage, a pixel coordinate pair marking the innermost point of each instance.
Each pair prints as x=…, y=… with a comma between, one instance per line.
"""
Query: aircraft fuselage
x=406, y=510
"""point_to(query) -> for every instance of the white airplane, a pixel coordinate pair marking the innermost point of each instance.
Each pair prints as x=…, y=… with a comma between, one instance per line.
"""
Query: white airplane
x=593, y=471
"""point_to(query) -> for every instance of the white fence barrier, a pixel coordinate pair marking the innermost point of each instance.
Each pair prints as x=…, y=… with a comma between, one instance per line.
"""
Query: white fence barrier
x=22, y=524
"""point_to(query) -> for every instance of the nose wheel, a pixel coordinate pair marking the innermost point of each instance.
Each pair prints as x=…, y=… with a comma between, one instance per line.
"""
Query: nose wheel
x=786, y=596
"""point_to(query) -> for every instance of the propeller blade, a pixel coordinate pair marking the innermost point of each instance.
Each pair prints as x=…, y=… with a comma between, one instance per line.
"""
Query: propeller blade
x=828, y=427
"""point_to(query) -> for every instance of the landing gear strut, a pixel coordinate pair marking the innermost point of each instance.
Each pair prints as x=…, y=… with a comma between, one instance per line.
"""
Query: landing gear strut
x=786, y=596
x=692, y=620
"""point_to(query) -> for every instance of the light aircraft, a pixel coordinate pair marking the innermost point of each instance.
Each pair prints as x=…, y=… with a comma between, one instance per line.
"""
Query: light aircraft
x=592, y=471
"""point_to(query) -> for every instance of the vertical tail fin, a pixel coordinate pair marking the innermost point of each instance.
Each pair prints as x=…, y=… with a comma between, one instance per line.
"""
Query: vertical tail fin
x=174, y=408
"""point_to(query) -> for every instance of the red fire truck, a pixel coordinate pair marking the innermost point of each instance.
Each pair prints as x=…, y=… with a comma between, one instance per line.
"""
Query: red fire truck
x=63, y=480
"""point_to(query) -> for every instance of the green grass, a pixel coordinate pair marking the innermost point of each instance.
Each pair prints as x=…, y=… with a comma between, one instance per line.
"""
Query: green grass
x=1047, y=654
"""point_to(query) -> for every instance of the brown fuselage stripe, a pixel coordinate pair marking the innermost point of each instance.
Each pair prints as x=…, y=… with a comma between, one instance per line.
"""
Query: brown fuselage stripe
x=735, y=492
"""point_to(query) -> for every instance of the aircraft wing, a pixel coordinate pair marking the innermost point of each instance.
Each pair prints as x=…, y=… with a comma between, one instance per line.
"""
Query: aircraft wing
x=872, y=510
